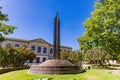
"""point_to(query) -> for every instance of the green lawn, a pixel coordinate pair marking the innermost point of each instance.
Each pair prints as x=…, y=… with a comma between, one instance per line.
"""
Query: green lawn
x=89, y=75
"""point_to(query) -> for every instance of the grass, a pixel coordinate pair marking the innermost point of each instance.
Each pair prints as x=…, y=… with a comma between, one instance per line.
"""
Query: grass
x=89, y=75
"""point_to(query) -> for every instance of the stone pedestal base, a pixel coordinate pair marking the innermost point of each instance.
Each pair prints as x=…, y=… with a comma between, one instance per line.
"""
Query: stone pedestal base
x=55, y=67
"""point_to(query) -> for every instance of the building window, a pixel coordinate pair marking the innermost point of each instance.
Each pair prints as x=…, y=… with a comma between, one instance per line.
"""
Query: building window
x=33, y=48
x=8, y=44
x=44, y=50
x=44, y=59
x=16, y=45
x=38, y=60
x=39, y=50
x=51, y=51
x=31, y=61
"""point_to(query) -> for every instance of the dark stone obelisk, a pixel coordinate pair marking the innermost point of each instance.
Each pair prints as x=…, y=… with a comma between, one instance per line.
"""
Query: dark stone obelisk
x=56, y=65
x=56, y=37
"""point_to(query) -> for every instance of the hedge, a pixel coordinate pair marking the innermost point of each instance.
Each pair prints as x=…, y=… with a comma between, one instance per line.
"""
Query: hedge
x=5, y=70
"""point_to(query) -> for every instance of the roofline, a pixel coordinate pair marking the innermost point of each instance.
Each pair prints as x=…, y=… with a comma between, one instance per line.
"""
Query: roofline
x=63, y=46
x=66, y=47
x=41, y=39
x=23, y=40
x=16, y=39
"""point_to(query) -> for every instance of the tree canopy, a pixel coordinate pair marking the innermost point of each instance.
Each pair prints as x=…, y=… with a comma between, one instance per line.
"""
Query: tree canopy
x=72, y=56
x=15, y=57
x=103, y=28
x=97, y=56
x=5, y=29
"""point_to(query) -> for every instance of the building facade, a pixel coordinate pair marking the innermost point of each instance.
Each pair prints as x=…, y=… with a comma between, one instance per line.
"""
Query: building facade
x=43, y=49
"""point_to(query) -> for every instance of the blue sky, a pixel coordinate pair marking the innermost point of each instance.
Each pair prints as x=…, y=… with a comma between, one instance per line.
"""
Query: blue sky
x=35, y=18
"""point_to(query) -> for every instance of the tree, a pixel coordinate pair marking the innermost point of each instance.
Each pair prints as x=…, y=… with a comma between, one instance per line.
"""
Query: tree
x=4, y=28
x=103, y=28
x=3, y=57
x=11, y=55
x=24, y=54
x=15, y=57
x=97, y=56
x=72, y=56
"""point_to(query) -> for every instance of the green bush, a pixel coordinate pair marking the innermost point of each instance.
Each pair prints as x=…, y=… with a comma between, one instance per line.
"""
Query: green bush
x=100, y=67
x=5, y=70
x=111, y=67
x=82, y=70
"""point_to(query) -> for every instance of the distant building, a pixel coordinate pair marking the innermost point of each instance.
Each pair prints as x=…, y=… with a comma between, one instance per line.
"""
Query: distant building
x=42, y=48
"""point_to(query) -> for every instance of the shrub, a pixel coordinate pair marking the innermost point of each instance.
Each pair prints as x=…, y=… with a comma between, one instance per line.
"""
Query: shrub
x=5, y=70
x=82, y=70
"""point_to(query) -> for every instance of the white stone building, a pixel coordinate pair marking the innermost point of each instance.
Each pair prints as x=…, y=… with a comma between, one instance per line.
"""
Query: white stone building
x=42, y=48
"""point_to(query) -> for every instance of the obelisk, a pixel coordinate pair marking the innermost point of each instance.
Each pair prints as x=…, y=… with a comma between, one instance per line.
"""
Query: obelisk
x=56, y=65
x=56, y=37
